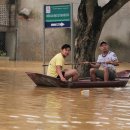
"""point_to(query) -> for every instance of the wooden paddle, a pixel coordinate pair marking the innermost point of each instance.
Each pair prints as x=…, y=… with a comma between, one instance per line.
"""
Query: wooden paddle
x=84, y=62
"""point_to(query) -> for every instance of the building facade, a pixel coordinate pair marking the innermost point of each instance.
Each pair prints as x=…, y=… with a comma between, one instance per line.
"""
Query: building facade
x=21, y=29
x=8, y=28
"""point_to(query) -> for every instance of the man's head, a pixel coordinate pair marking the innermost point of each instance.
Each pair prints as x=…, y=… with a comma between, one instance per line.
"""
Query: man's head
x=104, y=46
x=65, y=50
x=103, y=43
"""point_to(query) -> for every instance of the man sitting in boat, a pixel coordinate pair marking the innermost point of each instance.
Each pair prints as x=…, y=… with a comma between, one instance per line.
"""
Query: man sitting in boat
x=107, y=60
x=55, y=68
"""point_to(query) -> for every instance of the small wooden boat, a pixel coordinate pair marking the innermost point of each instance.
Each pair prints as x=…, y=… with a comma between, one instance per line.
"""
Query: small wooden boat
x=47, y=81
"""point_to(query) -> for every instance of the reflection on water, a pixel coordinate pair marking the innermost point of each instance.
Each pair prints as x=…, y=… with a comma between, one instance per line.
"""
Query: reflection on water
x=26, y=107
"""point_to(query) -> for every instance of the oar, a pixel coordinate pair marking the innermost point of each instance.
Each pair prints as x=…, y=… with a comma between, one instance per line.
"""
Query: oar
x=85, y=62
x=64, y=64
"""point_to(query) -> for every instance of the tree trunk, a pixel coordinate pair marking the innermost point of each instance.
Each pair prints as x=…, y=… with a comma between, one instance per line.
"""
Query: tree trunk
x=90, y=26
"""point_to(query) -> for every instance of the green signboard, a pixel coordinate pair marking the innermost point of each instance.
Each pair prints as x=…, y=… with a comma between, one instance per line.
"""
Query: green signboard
x=57, y=15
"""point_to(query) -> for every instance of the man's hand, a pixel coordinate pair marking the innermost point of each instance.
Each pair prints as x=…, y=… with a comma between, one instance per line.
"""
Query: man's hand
x=116, y=63
x=63, y=79
x=108, y=62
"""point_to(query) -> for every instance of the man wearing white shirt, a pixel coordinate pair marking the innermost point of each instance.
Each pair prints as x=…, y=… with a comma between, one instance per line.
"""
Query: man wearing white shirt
x=107, y=60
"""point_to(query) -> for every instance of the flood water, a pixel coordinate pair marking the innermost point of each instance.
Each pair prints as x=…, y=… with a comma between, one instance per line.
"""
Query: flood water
x=23, y=106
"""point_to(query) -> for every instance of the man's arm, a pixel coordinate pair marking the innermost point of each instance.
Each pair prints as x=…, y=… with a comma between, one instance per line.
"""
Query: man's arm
x=114, y=60
x=97, y=65
x=59, y=72
x=115, y=63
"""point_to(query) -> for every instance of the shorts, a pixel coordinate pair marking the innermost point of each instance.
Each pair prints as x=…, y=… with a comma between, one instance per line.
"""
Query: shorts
x=63, y=73
x=100, y=74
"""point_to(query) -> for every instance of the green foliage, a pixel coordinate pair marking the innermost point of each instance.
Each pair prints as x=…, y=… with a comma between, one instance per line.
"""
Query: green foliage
x=2, y=53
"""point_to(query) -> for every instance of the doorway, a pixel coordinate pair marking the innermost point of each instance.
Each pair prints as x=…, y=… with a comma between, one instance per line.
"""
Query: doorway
x=3, y=51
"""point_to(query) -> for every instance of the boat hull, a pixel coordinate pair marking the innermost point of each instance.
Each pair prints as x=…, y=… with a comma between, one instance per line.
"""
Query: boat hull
x=47, y=81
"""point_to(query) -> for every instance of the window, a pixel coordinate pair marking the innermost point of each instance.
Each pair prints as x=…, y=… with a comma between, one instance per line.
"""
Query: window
x=11, y=2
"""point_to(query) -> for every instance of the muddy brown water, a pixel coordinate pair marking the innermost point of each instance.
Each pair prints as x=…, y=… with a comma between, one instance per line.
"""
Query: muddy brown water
x=23, y=106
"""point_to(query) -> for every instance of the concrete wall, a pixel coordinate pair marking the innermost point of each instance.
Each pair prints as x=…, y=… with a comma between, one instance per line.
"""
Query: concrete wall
x=117, y=32
x=30, y=32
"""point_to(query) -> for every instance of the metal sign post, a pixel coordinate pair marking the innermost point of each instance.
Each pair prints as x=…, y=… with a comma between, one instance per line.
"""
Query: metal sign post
x=72, y=37
x=43, y=41
x=58, y=16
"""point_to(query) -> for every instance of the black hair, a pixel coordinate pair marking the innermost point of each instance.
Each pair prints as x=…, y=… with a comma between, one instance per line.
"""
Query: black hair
x=65, y=46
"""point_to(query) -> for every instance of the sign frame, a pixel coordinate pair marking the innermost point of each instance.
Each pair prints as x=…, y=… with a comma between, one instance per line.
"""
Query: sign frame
x=72, y=34
x=57, y=16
